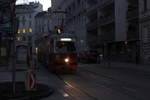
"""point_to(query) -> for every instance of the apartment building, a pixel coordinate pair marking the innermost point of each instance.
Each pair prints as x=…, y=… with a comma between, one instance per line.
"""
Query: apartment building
x=43, y=24
x=112, y=28
x=144, y=12
x=71, y=16
x=26, y=15
x=7, y=15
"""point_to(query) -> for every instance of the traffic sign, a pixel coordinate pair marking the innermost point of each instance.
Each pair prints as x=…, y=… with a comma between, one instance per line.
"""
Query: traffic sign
x=31, y=81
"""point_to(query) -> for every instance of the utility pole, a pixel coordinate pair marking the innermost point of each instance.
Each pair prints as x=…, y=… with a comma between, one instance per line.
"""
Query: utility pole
x=13, y=53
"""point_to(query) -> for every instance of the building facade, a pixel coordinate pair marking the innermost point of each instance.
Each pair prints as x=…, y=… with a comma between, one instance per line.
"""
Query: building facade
x=114, y=28
x=26, y=31
x=144, y=13
x=7, y=17
x=104, y=26
x=43, y=25
x=71, y=16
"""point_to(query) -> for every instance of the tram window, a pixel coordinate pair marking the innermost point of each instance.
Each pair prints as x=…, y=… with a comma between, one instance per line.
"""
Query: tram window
x=64, y=47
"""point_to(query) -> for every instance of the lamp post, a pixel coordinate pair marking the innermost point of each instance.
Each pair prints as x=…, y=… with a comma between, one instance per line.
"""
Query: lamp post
x=13, y=54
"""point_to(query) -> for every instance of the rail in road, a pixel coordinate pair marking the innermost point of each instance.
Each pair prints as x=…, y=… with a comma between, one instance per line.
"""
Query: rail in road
x=128, y=89
x=72, y=91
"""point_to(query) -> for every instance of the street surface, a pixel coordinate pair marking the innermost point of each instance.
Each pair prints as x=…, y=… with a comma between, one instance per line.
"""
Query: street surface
x=91, y=82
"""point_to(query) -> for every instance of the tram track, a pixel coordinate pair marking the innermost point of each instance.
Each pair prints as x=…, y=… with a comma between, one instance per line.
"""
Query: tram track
x=83, y=93
x=128, y=89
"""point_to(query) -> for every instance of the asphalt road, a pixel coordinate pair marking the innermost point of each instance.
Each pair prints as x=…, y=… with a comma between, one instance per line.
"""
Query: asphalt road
x=92, y=83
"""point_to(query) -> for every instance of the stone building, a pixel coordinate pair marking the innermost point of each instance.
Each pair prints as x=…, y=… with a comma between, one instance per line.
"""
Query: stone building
x=26, y=31
x=71, y=16
x=112, y=28
x=7, y=16
x=144, y=12
x=104, y=26
x=43, y=24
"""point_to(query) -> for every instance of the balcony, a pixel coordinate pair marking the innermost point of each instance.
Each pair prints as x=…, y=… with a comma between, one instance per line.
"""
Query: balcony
x=106, y=20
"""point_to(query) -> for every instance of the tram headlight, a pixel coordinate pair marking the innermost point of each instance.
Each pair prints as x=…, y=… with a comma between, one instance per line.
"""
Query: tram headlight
x=66, y=60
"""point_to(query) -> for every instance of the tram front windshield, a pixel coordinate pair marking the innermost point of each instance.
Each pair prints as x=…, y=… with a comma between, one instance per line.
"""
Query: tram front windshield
x=65, y=47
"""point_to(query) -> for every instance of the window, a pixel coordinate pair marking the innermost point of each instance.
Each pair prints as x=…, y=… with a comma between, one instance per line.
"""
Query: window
x=30, y=24
x=30, y=30
x=30, y=16
x=24, y=31
x=63, y=47
x=19, y=31
x=18, y=38
x=24, y=38
x=145, y=33
x=145, y=5
x=23, y=20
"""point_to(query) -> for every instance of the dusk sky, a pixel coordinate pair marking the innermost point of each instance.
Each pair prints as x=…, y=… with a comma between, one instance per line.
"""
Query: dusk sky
x=46, y=3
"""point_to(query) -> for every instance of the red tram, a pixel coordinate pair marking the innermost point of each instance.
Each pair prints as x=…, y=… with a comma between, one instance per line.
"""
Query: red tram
x=58, y=52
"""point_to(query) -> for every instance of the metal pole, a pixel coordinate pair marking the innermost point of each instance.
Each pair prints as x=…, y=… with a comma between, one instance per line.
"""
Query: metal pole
x=13, y=49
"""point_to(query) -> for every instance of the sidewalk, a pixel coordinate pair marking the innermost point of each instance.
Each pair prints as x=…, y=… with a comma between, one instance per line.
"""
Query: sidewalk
x=141, y=67
x=43, y=88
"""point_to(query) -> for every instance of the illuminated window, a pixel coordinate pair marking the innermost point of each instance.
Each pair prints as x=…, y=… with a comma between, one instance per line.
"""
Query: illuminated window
x=19, y=31
x=18, y=38
x=30, y=30
x=36, y=50
x=24, y=31
x=59, y=31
